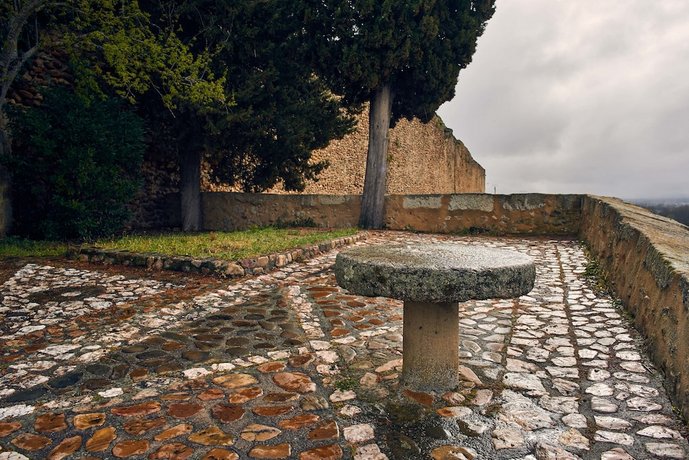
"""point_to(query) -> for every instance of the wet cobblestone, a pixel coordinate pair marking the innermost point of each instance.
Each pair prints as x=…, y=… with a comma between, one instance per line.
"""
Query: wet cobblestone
x=288, y=365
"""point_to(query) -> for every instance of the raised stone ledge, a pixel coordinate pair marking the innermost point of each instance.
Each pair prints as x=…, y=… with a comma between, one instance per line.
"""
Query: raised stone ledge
x=209, y=266
x=646, y=260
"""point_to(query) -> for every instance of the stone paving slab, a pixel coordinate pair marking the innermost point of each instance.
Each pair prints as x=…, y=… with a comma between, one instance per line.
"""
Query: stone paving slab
x=289, y=365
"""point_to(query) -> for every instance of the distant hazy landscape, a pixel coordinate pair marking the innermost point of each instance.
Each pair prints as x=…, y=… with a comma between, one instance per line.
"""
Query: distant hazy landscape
x=674, y=208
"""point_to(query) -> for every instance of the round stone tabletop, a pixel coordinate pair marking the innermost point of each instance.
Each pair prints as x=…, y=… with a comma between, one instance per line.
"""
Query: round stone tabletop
x=435, y=272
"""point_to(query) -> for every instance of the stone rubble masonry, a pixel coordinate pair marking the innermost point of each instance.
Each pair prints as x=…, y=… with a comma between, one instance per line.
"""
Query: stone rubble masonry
x=535, y=214
x=646, y=260
x=423, y=158
x=209, y=266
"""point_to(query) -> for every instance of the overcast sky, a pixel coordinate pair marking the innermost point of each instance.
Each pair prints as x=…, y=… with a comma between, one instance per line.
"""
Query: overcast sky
x=569, y=96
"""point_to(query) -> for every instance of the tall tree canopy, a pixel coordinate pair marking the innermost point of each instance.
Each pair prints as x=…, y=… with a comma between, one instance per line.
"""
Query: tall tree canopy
x=402, y=56
x=281, y=111
x=230, y=79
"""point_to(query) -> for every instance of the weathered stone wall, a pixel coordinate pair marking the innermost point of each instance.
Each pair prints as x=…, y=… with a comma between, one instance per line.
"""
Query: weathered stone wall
x=423, y=158
x=500, y=214
x=646, y=259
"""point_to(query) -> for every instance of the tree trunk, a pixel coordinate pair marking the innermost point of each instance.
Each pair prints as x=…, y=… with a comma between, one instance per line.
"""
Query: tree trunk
x=190, y=189
x=373, y=199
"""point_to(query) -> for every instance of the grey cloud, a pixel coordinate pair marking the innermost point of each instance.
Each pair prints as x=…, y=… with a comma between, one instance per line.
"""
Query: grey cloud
x=586, y=96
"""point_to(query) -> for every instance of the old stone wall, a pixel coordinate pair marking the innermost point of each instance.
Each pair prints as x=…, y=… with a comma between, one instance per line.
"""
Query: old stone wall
x=646, y=260
x=534, y=214
x=423, y=158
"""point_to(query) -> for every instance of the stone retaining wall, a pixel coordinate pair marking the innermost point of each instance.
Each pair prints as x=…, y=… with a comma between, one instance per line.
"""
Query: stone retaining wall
x=646, y=260
x=534, y=214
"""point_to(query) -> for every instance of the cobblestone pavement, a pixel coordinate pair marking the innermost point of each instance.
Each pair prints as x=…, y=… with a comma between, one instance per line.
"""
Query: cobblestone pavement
x=288, y=365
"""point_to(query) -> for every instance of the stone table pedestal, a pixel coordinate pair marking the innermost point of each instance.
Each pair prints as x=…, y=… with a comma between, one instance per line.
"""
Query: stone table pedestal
x=432, y=279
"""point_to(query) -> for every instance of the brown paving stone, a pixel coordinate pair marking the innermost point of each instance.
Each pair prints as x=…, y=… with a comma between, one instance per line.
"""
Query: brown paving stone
x=245, y=394
x=184, y=410
x=101, y=439
x=227, y=414
x=136, y=427
x=331, y=452
x=212, y=436
x=177, y=430
x=339, y=332
x=301, y=360
x=272, y=411
x=138, y=374
x=278, y=451
x=220, y=454
x=169, y=367
x=326, y=430
x=356, y=303
x=420, y=397
x=50, y=423
x=174, y=451
x=170, y=346
x=7, y=428
x=294, y=381
x=271, y=367
x=280, y=397
x=211, y=394
x=137, y=410
x=299, y=421
x=260, y=433
x=66, y=448
x=86, y=421
x=176, y=397
x=235, y=380
x=130, y=448
x=31, y=442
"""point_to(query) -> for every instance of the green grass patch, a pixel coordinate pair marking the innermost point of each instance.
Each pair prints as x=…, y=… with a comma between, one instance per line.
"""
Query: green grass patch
x=225, y=245
x=18, y=247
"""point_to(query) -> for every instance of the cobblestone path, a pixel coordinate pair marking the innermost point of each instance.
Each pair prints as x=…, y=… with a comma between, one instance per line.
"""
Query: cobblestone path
x=288, y=365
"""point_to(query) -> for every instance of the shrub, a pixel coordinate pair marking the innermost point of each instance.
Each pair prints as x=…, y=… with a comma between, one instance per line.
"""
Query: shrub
x=75, y=167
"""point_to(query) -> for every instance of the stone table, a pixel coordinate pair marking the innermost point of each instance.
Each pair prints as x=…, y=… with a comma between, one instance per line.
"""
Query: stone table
x=431, y=279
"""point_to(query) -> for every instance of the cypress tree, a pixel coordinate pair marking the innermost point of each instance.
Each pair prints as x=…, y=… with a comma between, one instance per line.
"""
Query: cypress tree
x=401, y=56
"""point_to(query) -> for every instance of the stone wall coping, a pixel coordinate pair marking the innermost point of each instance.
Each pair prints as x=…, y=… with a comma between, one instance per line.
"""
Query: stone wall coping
x=209, y=266
x=669, y=237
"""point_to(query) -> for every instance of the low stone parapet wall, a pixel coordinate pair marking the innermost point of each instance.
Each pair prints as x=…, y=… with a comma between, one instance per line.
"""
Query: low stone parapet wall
x=646, y=261
x=535, y=214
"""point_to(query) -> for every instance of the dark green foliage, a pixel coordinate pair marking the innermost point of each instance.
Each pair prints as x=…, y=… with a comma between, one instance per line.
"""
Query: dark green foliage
x=418, y=47
x=74, y=168
x=280, y=110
